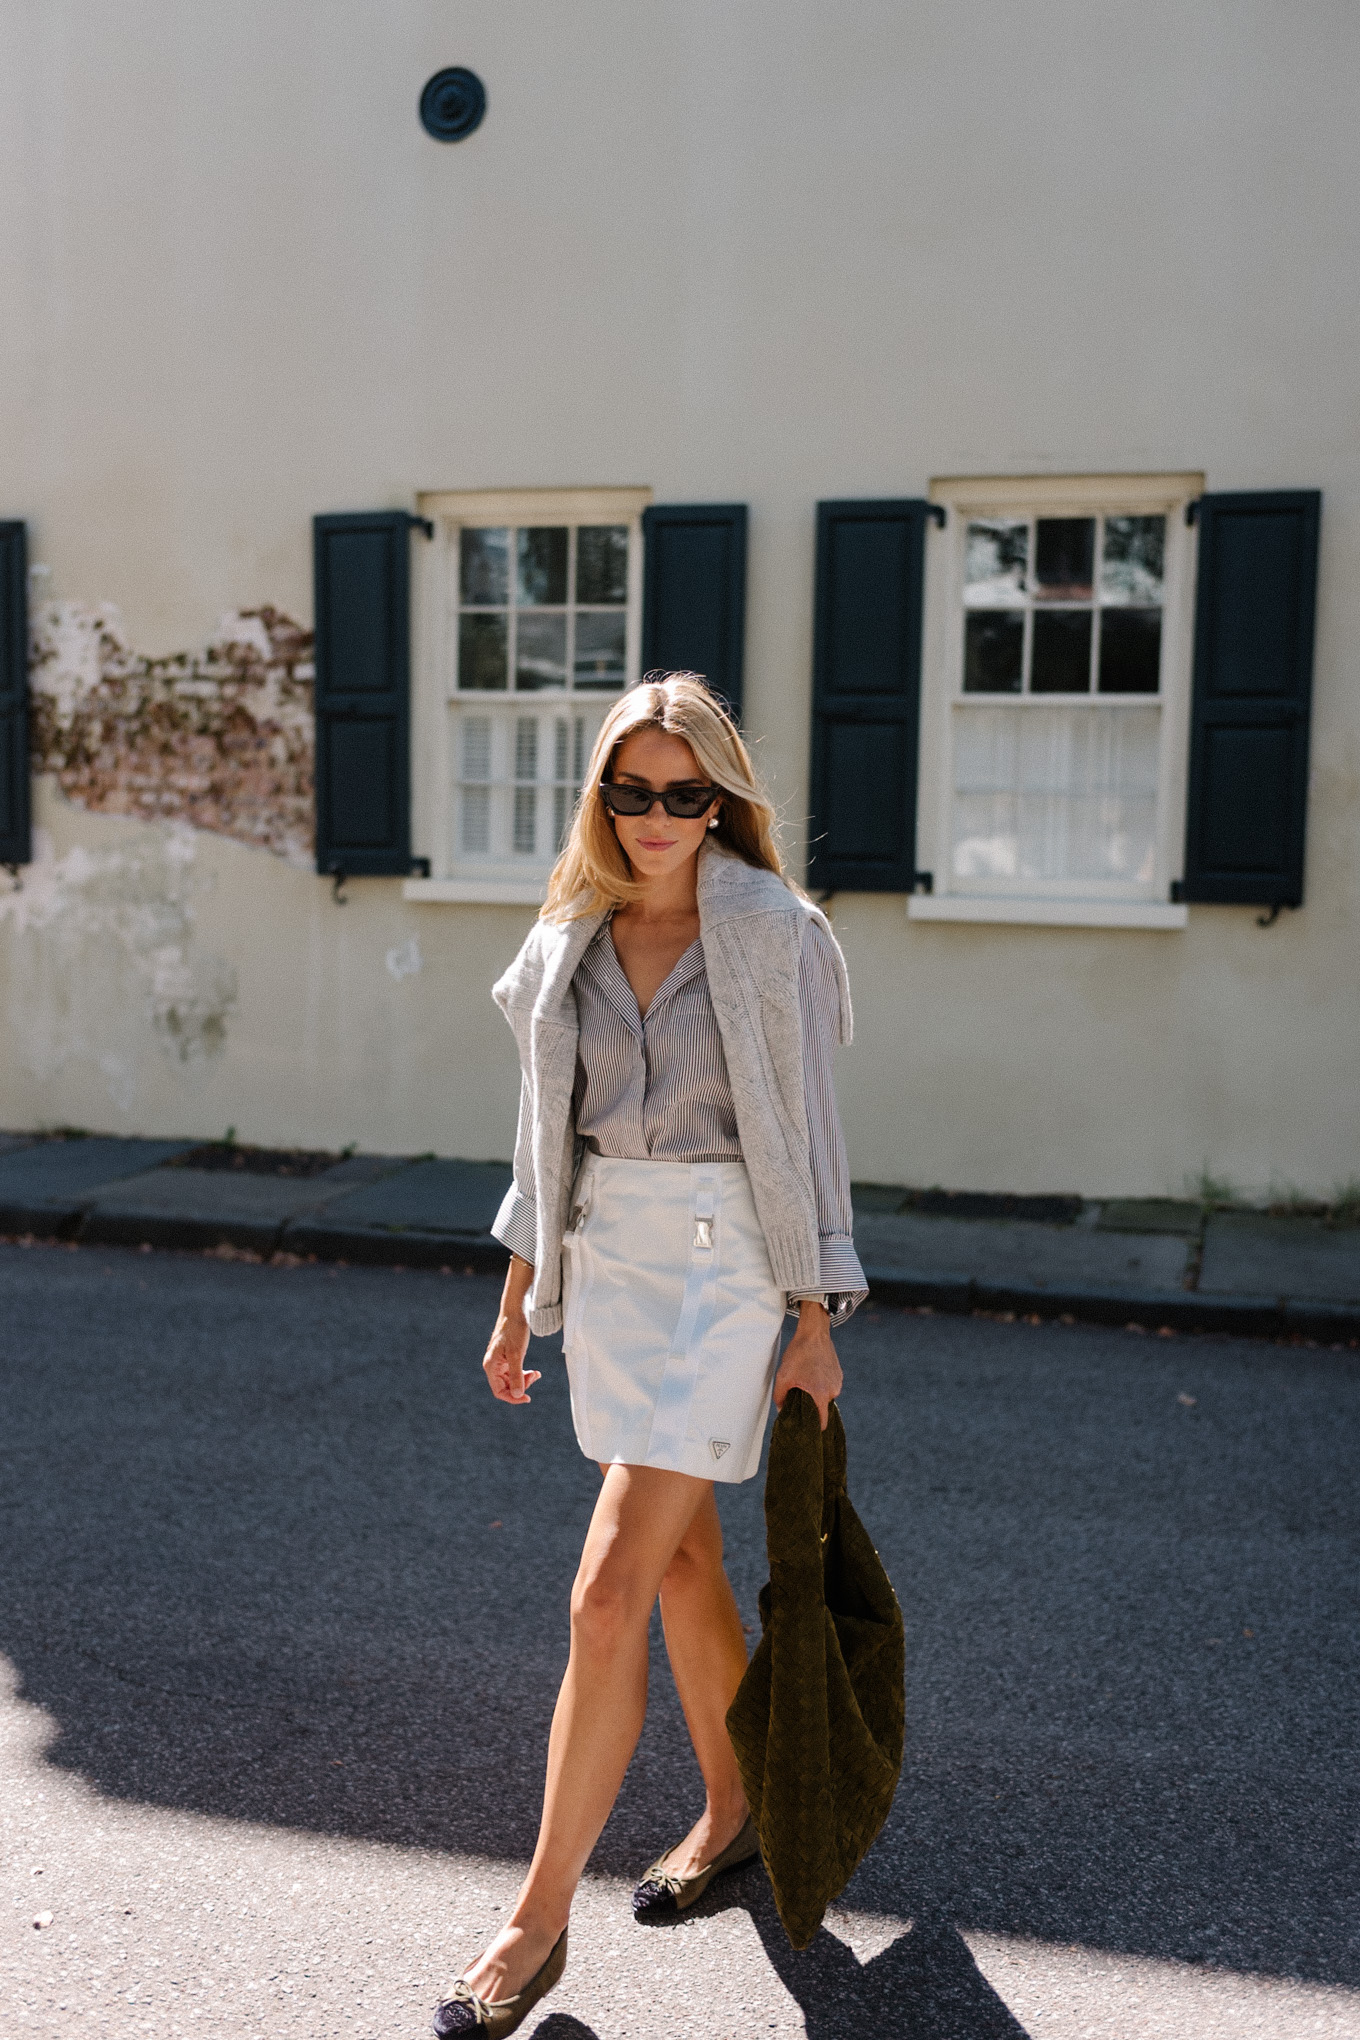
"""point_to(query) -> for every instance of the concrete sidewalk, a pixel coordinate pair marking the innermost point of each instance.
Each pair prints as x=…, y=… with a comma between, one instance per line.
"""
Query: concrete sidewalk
x=1154, y=1262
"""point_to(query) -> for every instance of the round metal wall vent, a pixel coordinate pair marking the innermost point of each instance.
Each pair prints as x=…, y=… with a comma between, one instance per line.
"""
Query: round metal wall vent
x=452, y=104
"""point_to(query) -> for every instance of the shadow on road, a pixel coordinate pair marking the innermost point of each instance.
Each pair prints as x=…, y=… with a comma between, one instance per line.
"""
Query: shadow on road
x=271, y=1553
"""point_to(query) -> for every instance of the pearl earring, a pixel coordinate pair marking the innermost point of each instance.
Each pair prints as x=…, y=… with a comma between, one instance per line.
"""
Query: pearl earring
x=714, y=823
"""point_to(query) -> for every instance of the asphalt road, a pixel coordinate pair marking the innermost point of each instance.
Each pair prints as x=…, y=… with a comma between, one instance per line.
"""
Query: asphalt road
x=283, y=1616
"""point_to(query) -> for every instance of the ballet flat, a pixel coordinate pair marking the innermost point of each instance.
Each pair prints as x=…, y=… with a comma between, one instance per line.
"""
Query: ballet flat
x=465, y=2012
x=661, y=1892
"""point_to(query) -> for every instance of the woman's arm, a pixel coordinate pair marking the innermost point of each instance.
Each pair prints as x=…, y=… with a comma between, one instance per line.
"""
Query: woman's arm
x=810, y=1361
x=504, y=1365
x=841, y=1279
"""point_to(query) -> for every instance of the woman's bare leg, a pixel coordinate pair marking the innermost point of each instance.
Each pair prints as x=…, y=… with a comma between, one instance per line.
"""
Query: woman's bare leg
x=707, y=1650
x=639, y=1523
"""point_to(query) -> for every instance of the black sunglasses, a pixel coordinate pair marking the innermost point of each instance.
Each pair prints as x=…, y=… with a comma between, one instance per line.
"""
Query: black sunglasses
x=685, y=803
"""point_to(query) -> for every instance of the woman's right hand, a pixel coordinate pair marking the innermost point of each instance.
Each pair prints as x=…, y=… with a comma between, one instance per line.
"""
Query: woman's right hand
x=503, y=1364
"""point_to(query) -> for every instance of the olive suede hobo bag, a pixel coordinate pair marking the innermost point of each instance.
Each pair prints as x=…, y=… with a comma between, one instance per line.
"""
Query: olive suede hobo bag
x=819, y=1719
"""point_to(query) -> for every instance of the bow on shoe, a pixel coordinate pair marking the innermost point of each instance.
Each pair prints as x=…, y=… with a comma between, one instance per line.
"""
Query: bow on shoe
x=461, y=2012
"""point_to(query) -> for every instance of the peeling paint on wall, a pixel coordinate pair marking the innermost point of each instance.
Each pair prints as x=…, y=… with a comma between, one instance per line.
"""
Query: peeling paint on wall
x=102, y=950
x=223, y=739
x=405, y=960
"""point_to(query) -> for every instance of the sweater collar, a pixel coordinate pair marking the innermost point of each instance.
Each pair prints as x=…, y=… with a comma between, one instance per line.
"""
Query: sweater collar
x=729, y=889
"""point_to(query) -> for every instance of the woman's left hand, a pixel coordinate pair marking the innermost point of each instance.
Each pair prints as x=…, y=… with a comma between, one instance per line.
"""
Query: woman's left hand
x=810, y=1361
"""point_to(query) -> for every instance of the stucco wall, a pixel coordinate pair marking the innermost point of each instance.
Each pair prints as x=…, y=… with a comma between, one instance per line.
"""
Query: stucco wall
x=765, y=251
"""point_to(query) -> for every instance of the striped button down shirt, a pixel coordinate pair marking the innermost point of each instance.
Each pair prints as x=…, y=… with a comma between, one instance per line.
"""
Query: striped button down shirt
x=657, y=1089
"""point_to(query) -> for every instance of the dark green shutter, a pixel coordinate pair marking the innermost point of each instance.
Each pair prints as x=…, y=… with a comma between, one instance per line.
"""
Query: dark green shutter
x=16, y=846
x=362, y=578
x=694, y=592
x=866, y=695
x=1253, y=681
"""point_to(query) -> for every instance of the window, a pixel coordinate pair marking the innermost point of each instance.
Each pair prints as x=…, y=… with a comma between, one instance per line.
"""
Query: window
x=533, y=625
x=1054, y=708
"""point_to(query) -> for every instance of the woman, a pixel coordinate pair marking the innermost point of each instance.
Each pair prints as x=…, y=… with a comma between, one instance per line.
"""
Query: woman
x=680, y=1186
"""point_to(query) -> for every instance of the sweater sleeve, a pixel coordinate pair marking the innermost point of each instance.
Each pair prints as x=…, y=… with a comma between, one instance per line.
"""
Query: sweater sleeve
x=516, y=1223
x=842, y=1278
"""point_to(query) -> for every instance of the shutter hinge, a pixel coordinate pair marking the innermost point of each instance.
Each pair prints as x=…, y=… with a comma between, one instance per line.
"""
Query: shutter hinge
x=1177, y=892
x=338, y=889
x=15, y=877
x=923, y=881
x=1192, y=510
x=938, y=514
x=425, y=524
x=1272, y=913
x=420, y=867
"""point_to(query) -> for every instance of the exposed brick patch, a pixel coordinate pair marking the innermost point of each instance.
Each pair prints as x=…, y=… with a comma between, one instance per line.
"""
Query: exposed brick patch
x=223, y=739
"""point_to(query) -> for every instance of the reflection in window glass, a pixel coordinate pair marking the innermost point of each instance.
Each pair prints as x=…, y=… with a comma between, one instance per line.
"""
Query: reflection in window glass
x=996, y=554
x=1132, y=567
x=542, y=555
x=1130, y=651
x=602, y=563
x=540, y=652
x=994, y=650
x=482, y=651
x=482, y=567
x=1064, y=557
x=601, y=649
x=1062, y=652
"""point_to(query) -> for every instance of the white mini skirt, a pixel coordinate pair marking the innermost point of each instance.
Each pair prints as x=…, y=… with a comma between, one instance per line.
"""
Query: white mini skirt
x=671, y=1318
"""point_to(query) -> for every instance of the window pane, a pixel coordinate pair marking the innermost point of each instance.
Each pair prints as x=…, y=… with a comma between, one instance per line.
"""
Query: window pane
x=541, y=652
x=475, y=800
x=996, y=554
x=1130, y=651
x=526, y=796
x=1062, y=652
x=600, y=650
x=476, y=828
x=993, y=652
x=602, y=563
x=543, y=564
x=1062, y=794
x=477, y=747
x=526, y=818
x=1064, y=554
x=526, y=748
x=1087, y=795
x=482, y=644
x=1132, y=568
x=482, y=557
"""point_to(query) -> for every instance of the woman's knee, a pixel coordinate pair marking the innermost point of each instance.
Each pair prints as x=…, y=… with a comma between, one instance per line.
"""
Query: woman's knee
x=606, y=1610
x=697, y=1563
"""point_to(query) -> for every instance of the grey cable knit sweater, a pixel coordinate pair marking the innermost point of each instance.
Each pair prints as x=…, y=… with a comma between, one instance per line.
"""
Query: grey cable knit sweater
x=752, y=927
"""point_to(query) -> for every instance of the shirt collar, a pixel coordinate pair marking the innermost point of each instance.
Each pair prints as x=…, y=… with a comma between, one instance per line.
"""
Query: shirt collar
x=602, y=961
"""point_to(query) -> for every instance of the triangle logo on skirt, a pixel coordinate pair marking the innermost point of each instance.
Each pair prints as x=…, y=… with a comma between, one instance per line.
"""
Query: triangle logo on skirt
x=717, y=1446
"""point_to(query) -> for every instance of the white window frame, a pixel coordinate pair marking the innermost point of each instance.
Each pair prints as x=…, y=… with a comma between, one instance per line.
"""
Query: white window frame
x=435, y=702
x=1063, y=903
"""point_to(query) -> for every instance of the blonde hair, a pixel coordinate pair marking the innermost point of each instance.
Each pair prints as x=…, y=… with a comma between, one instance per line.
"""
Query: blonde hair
x=593, y=874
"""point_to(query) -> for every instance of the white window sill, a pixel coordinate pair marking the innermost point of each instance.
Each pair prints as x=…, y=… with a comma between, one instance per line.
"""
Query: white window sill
x=1047, y=913
x=475, y=892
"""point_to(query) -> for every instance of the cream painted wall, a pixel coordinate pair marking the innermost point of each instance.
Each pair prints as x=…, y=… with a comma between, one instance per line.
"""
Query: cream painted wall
x=169, y=981
x=767, y=250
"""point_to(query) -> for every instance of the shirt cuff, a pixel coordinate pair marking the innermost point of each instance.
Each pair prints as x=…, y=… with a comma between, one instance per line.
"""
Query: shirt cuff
x=516, y=1225
x=842, y=1287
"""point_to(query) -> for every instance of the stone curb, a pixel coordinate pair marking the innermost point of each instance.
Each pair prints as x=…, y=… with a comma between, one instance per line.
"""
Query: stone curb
x=1252, y=1317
